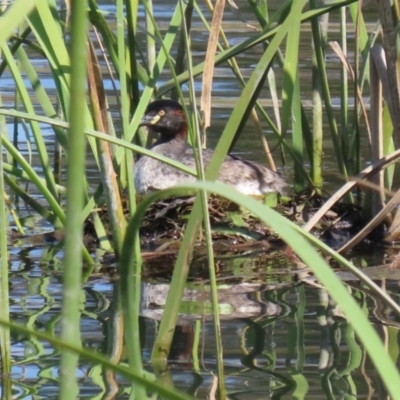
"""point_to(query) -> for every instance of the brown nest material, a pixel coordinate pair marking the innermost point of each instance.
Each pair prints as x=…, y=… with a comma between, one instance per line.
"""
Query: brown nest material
x=165, y=220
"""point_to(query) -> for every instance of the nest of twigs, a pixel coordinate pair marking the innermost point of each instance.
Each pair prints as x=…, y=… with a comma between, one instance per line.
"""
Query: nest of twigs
x=165, y=220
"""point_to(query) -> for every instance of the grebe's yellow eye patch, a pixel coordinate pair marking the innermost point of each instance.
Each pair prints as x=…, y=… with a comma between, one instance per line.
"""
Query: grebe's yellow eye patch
x=161, y=113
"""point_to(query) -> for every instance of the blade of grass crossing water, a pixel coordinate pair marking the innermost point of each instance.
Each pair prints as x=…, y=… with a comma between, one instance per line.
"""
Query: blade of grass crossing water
x=293, y=236
x=344, y=97
x=46, y=26
x=75, y=201
x=125, y=107
x=204, y=205
x=321, y=65
x=5, y=345
x=245, y=103
x=131, y=288
x=291, y=113
x=37, y=134
x=41, y=94
x=14, y=16
x=297, y=129
x=290, y=70
x=48, y=32
x=388, y=145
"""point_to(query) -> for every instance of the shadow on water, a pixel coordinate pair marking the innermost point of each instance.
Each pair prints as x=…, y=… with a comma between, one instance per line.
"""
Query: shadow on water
x=282, y=335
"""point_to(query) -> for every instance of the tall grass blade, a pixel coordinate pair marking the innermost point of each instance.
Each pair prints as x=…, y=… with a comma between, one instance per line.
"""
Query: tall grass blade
x=37, y=134
x=291, y=112
x=5, y=344
x=125, y=109
x=41, y=94
x=344, y=96
x=297, y=128
x=108, y=176
x=13, y=17
x=320, y=57
x=70, y=312
x=387, y=18
x=206, y=108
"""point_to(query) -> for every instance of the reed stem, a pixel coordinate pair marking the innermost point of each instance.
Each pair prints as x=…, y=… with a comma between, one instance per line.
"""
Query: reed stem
x=70, y=314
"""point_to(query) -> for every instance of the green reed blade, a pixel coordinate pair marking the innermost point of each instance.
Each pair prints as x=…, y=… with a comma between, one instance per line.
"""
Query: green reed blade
x=388, y=144
x=40, y=184
x=151, y=43
x=13, y=17
x=130, y=290
x=297, y=133
x=316, y=145
x=46, y=26
x=290, y=72
x=41, y=94
x=344, y=96
x=42, y=211
x=131, y=7
x=70, y=311
x=5, y=344
x=37, y=134
x=125, y=106
x=297, y=239
x=320, y=57
x=108, y=177
x=196, y=140
x=291, y=105
x=48, y=32
x=364, y=43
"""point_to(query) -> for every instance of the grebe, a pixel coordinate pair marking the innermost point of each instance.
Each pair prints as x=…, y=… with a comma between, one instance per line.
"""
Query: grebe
x=168, y=119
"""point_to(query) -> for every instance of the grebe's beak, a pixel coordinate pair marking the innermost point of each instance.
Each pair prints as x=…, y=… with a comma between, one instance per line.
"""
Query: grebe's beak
x=149, y=120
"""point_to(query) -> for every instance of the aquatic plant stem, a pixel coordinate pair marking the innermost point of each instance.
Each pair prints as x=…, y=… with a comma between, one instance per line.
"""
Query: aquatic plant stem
x=125, y=106
x=70, y=314
x=204, y=199
x=130, y=289
x=5, y=350
x=320, y=60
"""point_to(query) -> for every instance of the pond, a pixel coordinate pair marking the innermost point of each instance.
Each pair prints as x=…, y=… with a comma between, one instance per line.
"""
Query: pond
x=282, y=336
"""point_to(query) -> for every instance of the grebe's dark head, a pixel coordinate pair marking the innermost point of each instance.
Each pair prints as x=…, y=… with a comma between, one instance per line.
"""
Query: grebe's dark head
x=166, y=117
